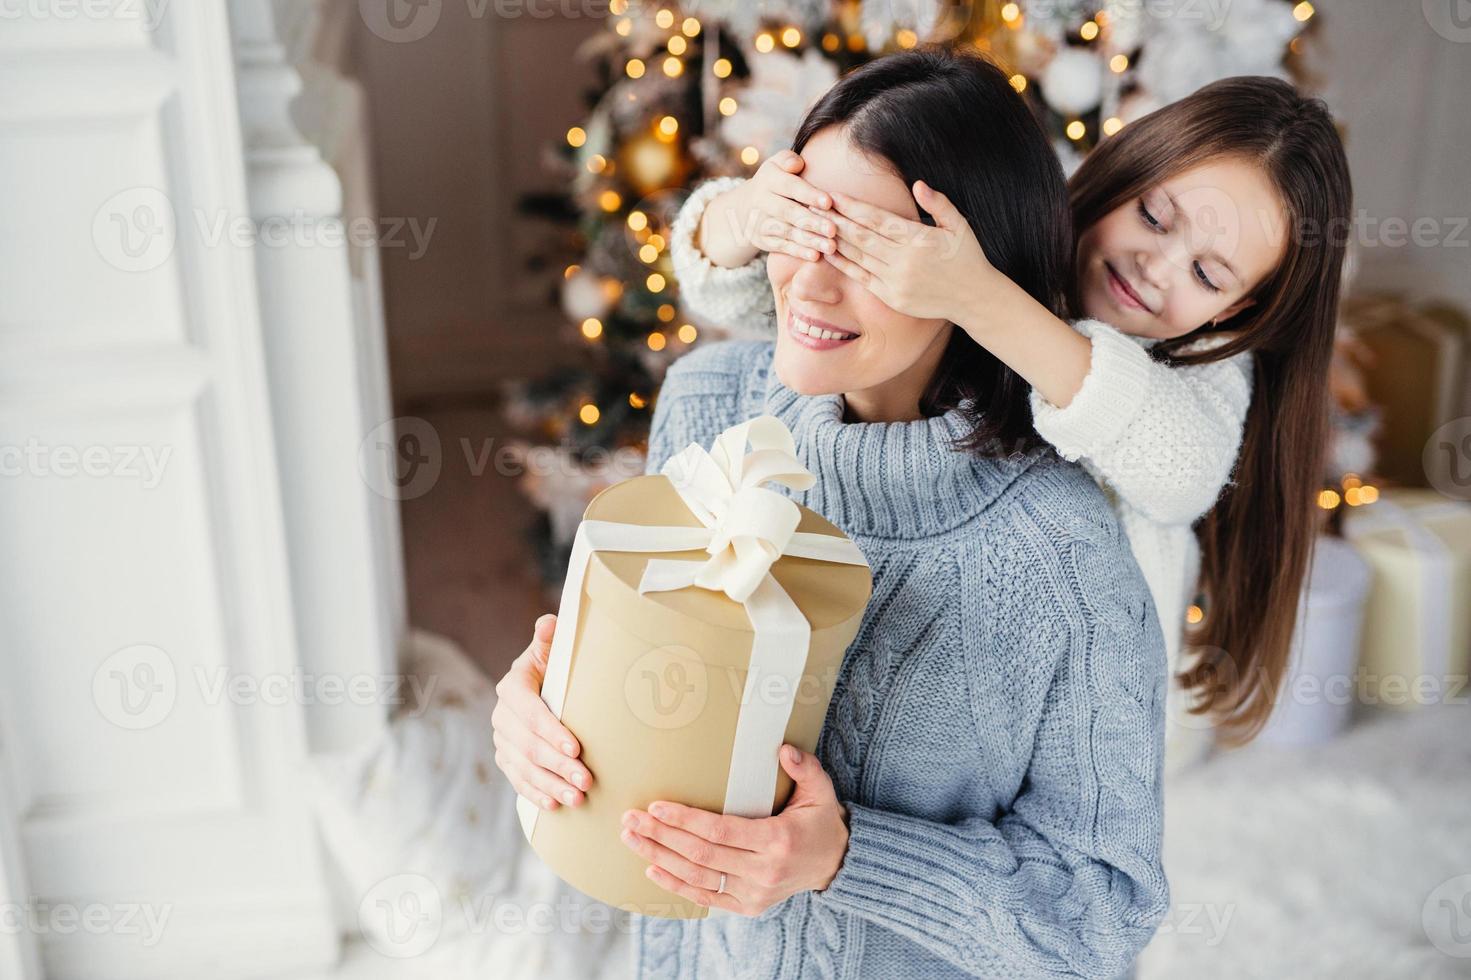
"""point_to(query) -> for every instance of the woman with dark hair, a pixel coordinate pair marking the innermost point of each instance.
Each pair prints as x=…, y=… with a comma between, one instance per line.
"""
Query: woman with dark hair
x=1210, y=244
x=985, y=795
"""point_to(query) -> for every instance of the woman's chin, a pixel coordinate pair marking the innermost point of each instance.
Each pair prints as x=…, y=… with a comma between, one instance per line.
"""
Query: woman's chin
x=794, y=371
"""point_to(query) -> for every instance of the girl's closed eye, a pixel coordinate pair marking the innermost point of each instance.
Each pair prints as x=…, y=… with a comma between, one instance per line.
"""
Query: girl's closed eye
x=1149, y=218
x=1204, y=279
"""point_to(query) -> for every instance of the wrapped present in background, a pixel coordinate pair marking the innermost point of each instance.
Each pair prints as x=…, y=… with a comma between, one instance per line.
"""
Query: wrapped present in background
x=1416, y=376
x=1317, y=697
x=703, y=621
x=1417, y=621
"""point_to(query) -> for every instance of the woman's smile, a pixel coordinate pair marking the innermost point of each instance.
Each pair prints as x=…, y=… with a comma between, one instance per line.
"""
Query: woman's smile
x=816, y=334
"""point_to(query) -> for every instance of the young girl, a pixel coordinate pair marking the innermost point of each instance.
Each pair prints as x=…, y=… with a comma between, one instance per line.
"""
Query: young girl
x=985, y=797
x=1210, y=241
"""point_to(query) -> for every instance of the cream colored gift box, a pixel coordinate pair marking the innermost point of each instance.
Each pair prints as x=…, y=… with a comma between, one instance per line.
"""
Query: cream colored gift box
x=702, y=624
x=1417, y=622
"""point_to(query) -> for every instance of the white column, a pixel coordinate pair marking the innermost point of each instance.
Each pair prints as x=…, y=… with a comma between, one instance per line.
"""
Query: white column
x=346, y=608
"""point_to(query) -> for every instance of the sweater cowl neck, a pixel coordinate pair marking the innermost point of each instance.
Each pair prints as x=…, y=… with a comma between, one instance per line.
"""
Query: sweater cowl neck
x=884, y=479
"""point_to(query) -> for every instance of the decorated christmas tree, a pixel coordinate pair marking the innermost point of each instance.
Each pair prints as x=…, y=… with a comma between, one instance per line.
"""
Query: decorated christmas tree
x=689, y=94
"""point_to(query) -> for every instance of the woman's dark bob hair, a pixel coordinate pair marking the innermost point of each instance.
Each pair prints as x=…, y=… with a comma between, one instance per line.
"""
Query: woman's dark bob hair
x=954, y=121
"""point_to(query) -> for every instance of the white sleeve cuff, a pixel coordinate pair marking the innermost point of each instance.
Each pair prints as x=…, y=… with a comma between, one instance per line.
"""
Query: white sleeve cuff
x=1110, y=397
x=692, y=269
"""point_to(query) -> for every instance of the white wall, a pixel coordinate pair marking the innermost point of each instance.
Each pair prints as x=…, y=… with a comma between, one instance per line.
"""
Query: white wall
x=1401, y=87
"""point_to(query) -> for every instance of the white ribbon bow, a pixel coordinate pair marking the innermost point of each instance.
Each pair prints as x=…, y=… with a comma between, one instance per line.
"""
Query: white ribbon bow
x=746, y=528
x=750, y=526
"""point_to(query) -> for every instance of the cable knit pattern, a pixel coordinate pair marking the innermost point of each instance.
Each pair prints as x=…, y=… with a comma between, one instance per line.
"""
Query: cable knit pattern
x=997, y=723
x=1162, y=441
x=737, y=300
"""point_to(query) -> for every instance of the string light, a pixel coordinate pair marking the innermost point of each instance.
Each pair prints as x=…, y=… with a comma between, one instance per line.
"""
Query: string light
x=1076, y=129
x=576, y=136
x=791, y=37
x=750, y=155
x=1353, y=496
x=589, y=414
x=764, y=42
x=597, y=163
x=665, y=18
x=655, y=283
x=1303, y=11
x=610, y=200
x=831, y=42
x=668, y=126
x=571, y=271
x=1019, y=82
x=721, y=68
x=623, y=27
x=612, y=289
x=1328, y=499
x=617, y=7
x=727, y=106
x=666, y=312
x=676, y=44
x=1368, y=494
x=1118, y=63
x=906, y=38
x=648, y=253
x=634, y=68
x=657, y=341
x=690, y=27
x=592, y=328
x=688, y=333
x=636, y=400
x=637, y=220
x=1112, y=125
x=657, y=241
x=1194, y=614
x=1088, y=31
x=1010, y=12
x=856, y=42
x=673, y=67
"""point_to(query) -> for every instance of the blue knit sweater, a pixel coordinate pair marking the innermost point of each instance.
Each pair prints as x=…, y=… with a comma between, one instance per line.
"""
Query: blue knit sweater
x=997, y=726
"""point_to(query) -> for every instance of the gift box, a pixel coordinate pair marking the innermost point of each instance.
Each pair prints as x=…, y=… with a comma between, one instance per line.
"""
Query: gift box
x=1317, y=696
x=1417, y=620
x=1416, y=377
x=703, y=621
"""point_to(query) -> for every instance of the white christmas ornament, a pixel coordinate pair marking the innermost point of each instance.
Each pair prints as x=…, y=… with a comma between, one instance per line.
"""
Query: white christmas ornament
x=1182, y=54
x=1073, y=82
x=781, y=89
x=583, y=296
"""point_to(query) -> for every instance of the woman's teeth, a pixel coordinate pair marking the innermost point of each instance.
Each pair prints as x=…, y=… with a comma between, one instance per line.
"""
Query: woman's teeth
x=811, y=331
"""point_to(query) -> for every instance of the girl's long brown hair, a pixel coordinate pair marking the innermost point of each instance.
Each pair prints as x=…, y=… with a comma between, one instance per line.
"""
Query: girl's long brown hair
x=1257, y=541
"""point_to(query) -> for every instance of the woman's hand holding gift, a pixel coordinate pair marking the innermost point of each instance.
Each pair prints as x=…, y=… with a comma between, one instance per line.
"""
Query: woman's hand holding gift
x=535, y=750
x=765, y=860
x=771, y=212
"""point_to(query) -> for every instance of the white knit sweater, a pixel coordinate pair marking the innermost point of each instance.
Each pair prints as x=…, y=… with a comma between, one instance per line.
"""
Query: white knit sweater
x=1161, y=441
